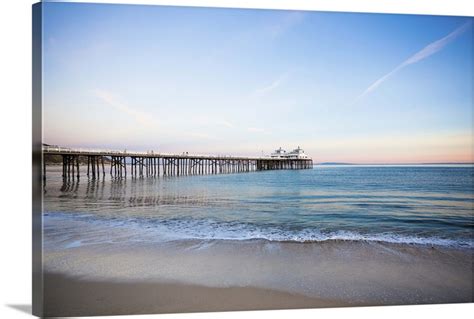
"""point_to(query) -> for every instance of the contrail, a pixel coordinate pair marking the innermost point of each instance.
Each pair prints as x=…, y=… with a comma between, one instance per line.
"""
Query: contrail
x=427, y=51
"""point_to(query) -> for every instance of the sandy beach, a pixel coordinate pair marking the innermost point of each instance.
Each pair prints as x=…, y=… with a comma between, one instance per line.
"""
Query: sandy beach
x=195, y=276
x=195, y=159
x=66, y=296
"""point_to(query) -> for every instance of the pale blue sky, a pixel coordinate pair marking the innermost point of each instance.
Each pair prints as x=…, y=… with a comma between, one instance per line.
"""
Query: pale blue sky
x=345, y=87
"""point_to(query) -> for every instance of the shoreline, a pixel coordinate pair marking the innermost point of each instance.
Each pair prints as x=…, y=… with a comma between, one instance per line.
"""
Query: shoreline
x=195, y=276
x=69, y=296
x=77, y=223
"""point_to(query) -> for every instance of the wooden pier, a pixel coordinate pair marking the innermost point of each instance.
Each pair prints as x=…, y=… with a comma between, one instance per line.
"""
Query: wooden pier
x=150, y=164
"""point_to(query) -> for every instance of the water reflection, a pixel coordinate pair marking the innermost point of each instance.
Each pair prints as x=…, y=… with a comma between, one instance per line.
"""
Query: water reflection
x=95, y=188
x=409, y=201
x=70, y=185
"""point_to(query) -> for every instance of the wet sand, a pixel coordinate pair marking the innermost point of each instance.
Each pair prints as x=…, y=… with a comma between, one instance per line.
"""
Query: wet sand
x=68, y=296
x=194, y=276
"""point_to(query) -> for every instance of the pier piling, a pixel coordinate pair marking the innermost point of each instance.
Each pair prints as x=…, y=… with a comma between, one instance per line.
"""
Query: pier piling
x=156, y=165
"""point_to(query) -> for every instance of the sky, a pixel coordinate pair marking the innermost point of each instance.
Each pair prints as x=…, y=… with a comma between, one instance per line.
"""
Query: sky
x=346, y=87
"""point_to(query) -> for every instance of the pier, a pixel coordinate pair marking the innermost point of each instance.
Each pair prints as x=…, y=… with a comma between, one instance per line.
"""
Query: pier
x=149, y=164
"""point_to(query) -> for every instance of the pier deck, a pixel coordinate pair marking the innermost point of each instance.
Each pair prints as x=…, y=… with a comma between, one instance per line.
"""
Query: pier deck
x=141, y=164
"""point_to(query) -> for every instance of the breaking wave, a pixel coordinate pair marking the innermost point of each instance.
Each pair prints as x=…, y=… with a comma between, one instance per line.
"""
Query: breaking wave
x=65, y=225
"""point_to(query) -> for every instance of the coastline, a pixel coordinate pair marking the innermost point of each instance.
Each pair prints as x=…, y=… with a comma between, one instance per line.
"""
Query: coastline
x=69, y=296
x=195, y=276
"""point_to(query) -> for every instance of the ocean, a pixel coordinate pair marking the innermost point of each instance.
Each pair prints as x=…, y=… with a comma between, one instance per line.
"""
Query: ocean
x=429, y=205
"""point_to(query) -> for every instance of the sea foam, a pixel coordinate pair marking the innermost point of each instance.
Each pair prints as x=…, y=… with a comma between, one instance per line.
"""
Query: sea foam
x=66, y=227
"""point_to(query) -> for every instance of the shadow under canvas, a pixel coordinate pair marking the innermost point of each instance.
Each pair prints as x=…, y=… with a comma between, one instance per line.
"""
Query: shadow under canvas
x=22, y=307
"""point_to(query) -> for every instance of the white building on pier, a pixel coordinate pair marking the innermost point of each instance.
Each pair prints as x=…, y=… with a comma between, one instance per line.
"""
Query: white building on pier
x=297, y=153
x=278, y=153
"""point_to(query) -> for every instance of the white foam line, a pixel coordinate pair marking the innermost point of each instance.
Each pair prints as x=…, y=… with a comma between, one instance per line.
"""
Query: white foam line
x=171, y=230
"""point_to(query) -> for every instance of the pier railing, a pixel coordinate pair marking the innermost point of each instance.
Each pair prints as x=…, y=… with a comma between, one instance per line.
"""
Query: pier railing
x=155, y=164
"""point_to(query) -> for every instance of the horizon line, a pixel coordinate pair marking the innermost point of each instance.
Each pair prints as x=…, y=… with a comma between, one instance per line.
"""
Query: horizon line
x=327, y=162
x=406, y=163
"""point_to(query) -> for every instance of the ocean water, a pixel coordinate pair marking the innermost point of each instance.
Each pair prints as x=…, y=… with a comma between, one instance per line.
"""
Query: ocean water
x=417, y=205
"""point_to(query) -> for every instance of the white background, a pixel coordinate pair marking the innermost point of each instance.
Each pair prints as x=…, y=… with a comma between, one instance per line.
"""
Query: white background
x=15, y=157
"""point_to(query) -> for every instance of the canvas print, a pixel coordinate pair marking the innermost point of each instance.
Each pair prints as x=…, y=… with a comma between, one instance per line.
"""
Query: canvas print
x=206, y=159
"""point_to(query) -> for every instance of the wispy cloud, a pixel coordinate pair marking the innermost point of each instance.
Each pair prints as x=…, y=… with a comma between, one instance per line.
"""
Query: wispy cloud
x=226, y=124
x=259, y=130
x=248, y=37
x=256, y=129
x=203, y=136
x=272, y=86
x=424, y=53
x=112, y=101
x=287, y=22
x=210, y=121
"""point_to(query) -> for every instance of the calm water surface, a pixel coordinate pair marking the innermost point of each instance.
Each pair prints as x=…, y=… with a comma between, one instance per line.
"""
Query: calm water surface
x=407, y=204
